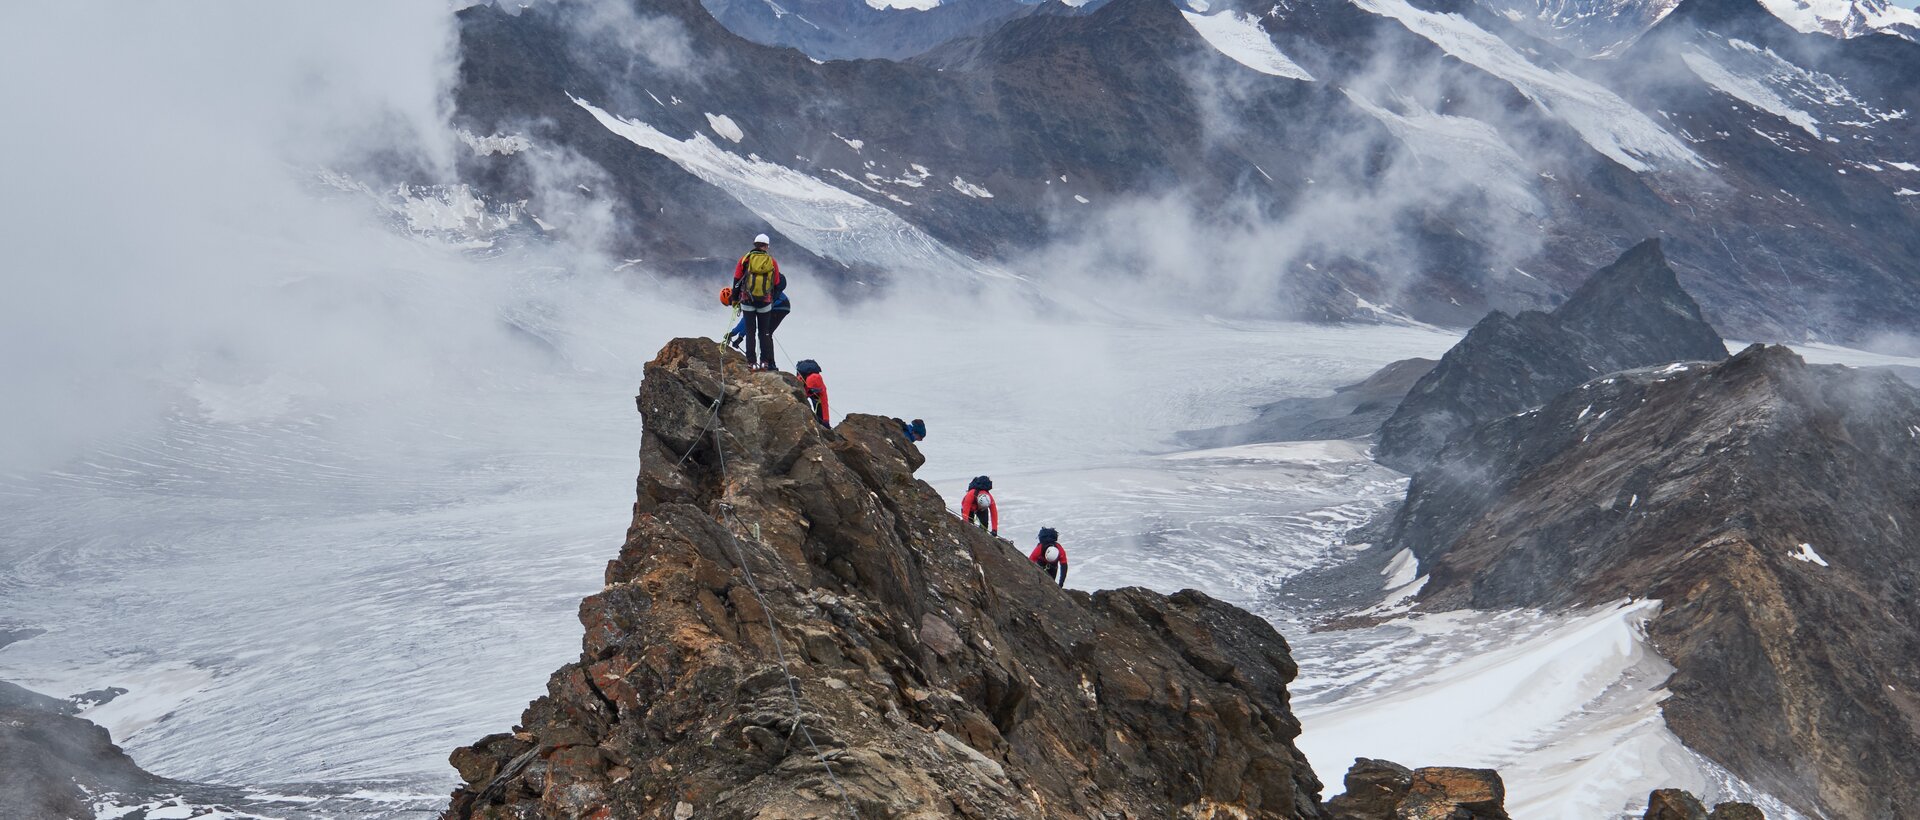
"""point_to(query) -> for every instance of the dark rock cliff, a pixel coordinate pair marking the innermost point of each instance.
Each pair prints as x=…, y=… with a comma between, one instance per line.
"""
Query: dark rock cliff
x=1771, y=505
x=1632, y=313
x=51, y=760
x=939, y=673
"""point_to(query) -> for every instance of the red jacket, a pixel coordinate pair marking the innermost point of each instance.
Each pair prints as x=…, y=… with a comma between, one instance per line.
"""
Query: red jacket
x=1039, y=555
x=817, y=392
x=971, y=502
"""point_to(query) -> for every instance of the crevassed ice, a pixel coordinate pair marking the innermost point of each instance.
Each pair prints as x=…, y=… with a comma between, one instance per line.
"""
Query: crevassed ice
x=820, y=217
x=1769, y=82
x=1605, y=121
x=1749, y=90
x=1238, y=35
x=1567, y=707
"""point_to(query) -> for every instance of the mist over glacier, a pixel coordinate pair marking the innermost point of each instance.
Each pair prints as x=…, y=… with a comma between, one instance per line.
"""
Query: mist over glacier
x=318, y=467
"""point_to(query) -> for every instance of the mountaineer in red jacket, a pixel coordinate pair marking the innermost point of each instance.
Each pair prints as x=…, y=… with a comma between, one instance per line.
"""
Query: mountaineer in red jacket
x=977, y=505
x=1050, y=555
x=816, y=386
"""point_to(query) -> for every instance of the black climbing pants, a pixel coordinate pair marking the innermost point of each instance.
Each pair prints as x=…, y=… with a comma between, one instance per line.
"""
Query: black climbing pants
x=1056, y=571
x=760, y=329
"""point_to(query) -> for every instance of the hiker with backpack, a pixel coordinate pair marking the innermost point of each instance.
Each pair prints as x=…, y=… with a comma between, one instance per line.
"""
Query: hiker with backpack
x=816, y=388
x=781, y=306
x=757, y=286
x=977, y=505
x=1050, y=556
x=915, y=430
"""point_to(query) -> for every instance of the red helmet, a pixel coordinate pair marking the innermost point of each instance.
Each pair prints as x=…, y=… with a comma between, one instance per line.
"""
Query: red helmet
x=726, y=296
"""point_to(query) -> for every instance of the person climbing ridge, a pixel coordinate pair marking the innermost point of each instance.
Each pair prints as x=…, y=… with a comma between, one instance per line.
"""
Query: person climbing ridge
x=1050, y=555
x=977, y=505
x=757, y=285
x=915, y=430
x=816, y=388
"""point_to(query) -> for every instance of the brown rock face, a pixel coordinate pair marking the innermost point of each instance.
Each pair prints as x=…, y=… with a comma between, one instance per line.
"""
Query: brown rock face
x=1674, y=804
x=1382, y=790
x=936, y=671
x=1678, y=804
x=1770, y=504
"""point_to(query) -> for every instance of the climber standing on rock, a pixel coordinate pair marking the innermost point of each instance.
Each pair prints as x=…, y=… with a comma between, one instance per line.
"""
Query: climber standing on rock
x=757, y=287
x=977, y=505
x=1050, y=555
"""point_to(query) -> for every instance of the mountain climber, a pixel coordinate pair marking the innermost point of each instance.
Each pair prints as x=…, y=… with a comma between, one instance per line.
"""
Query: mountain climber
x=1050, y=555
x=781, y=306
x=757, y=285
x=816, y=386
x=977, y=505
x=915, y=430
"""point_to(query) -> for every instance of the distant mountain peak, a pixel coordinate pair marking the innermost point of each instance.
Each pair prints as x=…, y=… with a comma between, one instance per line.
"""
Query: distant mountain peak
x=1847, y=18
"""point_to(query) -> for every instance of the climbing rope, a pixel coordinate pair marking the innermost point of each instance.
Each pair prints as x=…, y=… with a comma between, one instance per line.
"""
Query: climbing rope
x=773, y=628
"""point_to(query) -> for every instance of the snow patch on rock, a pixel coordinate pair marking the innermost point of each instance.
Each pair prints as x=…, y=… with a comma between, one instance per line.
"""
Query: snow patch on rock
x=1806, y=553
x=725, y=127
x=1605, y=121
x=1238, y=35
x=1749, y=90
x=970, y=189
x=820, y=217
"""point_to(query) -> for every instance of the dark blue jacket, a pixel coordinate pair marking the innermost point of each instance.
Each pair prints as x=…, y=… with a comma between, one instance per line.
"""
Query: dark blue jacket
x=780, y=305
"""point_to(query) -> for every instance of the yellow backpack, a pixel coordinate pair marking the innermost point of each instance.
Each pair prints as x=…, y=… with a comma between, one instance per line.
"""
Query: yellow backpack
x=756, y=285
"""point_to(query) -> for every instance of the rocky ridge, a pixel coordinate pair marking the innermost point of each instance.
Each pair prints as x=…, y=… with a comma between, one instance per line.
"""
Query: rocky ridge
x=938, y=672
x=52, y=762
x=1767, y=503
x=1632, y=313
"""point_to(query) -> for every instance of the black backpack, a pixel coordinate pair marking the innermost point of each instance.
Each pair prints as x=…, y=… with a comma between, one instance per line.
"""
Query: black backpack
x=806, y=367
x=981, y=483
x=1049, y=536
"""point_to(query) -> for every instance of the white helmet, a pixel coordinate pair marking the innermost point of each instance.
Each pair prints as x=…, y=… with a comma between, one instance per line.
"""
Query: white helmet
x=762, y=240
x=1053, y=553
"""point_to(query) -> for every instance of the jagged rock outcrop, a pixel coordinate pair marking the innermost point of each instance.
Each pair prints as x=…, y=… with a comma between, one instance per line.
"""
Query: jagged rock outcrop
x=1771, y=505
x=940, y=674
x=1352, y=411
x=1677, y=804
x=1632, y=313
x=1384, y=790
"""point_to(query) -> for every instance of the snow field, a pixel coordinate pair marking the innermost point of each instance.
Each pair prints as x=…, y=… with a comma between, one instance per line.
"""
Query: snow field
x=1238, y=35
x=1565, y=706
x=1605, y=121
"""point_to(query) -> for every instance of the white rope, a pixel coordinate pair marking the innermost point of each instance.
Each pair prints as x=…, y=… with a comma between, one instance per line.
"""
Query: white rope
x=773, y=628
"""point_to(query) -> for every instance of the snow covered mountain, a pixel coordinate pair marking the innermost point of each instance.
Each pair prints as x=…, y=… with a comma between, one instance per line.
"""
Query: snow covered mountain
x=830, y=30
x=1331, y=159
x=1848, y=18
